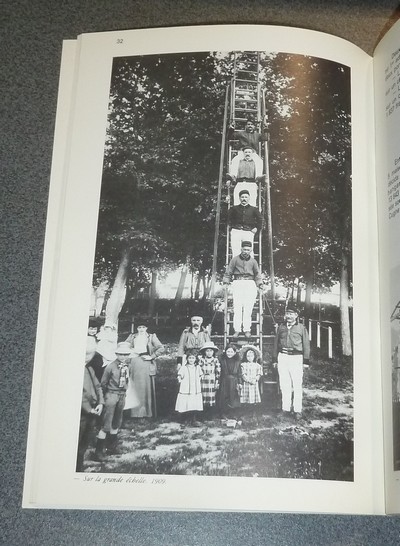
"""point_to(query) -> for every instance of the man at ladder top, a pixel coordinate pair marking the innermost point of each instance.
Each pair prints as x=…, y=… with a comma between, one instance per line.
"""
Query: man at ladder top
x=244, y=221
x=244, y=271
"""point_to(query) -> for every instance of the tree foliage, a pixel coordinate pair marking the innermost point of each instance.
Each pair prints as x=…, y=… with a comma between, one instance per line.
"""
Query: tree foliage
x=308, y=100
x=162, y=160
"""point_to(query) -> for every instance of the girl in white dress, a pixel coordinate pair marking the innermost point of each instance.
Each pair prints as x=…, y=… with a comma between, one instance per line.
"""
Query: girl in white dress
x=189, y=397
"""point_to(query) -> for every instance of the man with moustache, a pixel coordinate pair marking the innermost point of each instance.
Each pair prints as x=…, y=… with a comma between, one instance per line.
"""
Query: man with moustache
x=245, y=170
x=192, y=338
x=291, y=354
x=244, y=221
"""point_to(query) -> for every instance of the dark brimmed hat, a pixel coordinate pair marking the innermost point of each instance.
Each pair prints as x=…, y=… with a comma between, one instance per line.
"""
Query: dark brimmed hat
x=244, y=191
x=196, y=309
x=247, y=243
x=94, y=322
x=248, y=147
x=292, y=309
x=142, y=322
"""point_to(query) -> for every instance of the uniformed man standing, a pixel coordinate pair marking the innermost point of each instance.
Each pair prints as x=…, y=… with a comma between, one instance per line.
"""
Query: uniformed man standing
x=291, y=354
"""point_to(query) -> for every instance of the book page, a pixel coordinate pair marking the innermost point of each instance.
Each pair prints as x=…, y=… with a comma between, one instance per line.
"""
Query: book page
x=54, y=226
x=387, y=111
x=326, y=454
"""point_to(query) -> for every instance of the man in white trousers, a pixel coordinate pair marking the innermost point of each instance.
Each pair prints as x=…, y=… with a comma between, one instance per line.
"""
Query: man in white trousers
x=246, y=276
x=291, y=355
x=244, y=221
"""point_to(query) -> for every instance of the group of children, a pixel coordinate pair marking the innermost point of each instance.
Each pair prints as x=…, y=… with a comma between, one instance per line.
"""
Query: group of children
x=206, y=382
x=224, y=383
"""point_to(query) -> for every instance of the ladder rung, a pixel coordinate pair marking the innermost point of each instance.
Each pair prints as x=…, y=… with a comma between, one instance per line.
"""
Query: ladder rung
x=247, y=71
x=240, y=119
x=245, y=108
x=243, y=80
x=242, y=99
x=239, y=91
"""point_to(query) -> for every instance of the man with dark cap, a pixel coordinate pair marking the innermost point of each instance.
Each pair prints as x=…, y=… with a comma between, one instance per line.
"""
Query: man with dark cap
x=244, y=271
x=244, y=221
x=291, y=355
x=193, y=337
x=250, y=136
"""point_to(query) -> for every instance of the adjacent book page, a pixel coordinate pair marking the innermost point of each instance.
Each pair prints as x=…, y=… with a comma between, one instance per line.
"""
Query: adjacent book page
x=273, y=467
x=50, y=269
x=387, y=112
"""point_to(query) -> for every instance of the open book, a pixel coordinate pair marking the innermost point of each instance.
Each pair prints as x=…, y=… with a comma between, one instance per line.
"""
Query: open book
x=144, y=143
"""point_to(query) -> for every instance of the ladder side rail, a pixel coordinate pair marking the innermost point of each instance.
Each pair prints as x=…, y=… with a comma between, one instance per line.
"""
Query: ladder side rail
x=218, y=212
x=267, y=191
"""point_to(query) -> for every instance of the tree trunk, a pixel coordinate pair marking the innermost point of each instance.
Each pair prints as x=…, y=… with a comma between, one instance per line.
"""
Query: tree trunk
x=181, y=286
x=118, y=292
x=203, y=278
x=197, y=289
x=344, y=306
x=207, y=286
x=292, y=290
x=153, y=293
x=191, y=286
x=298, y=298
x=307, y=301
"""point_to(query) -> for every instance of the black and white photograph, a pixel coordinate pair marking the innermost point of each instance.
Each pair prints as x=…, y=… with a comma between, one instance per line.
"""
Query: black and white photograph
x=395, y=341
x=220, y=327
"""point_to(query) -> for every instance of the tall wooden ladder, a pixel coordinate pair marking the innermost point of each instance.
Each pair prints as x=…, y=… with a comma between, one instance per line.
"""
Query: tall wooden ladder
x=245, y=102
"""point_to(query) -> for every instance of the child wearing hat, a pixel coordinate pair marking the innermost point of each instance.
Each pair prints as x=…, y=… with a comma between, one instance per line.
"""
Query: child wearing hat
x=189, y=399
x=114, y=384
x=251, y=372
x=211, y=369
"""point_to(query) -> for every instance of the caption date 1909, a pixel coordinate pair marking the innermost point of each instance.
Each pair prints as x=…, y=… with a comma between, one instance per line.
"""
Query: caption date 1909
x=158, y=481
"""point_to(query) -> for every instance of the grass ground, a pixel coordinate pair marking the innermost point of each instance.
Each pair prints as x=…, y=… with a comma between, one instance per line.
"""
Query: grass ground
x=263, y=442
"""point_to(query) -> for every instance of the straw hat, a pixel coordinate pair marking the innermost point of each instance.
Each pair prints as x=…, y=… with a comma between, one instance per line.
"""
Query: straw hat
x=209, y=345
x=245, y=348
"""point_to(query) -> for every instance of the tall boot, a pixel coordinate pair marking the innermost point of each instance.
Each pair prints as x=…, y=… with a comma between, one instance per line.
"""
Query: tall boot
x=112, y=443
x=99, y=454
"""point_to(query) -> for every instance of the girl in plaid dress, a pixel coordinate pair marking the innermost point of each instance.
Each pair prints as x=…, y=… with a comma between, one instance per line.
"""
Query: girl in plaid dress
x=251, y=372
x=211, y=368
